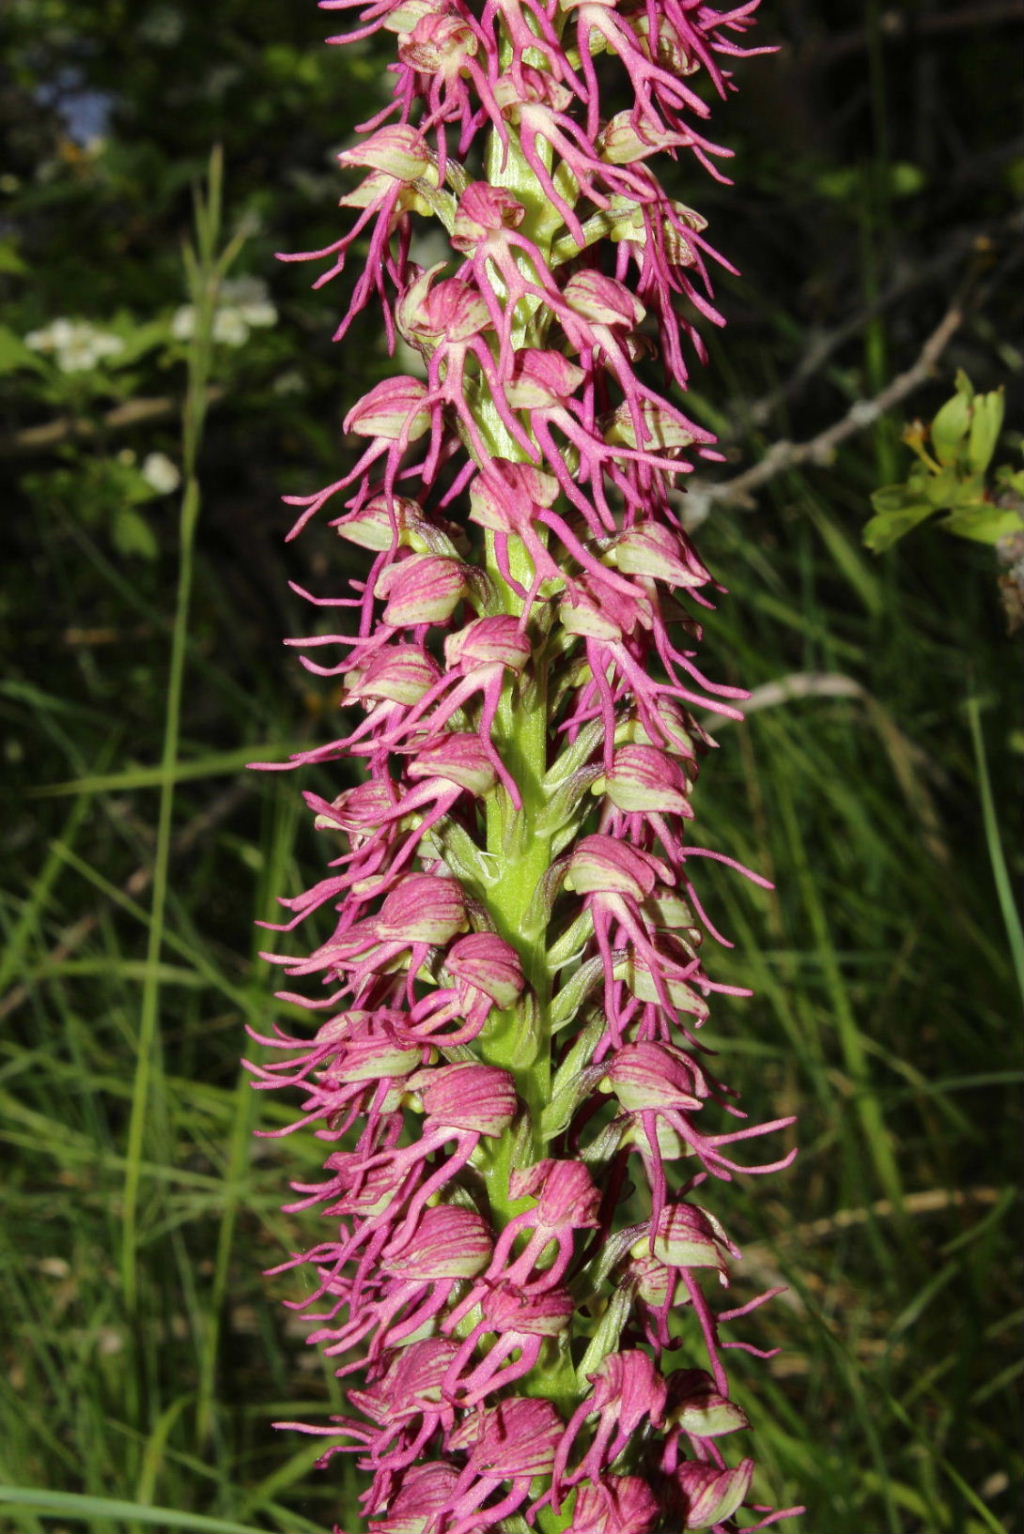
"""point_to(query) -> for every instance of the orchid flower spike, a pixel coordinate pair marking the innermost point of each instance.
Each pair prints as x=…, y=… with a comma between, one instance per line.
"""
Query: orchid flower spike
x=528, y=1156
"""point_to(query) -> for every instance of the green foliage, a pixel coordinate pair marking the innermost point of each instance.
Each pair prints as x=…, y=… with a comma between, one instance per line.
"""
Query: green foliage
x=955, y=477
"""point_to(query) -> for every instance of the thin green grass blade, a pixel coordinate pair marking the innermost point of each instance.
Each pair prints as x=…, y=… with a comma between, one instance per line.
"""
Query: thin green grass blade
x=215, y=764
x=994, y=842
x=283, y=814
x=83, y=1509
x=12, y=959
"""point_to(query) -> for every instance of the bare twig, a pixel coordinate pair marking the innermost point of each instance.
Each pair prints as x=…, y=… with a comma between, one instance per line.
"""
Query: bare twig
x=783, y=455
x=926, y=1201
x=977, y=240
x=760, y=1261
x=75, y=935
x=134, y=412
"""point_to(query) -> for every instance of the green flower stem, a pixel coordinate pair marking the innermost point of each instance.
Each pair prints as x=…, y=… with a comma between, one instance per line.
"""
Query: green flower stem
x=521, y=853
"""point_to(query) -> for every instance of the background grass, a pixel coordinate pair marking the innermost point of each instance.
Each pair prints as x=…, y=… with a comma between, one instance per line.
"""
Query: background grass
x=145, y=1359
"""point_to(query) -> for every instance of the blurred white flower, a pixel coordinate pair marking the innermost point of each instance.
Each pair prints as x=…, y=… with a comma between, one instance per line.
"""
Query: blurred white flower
x=258, y=314
x=57, y=333
x=76, y=345
x=106, y=345
x=251, y=297
x=160, y=473
x=243, y=305
x=183, y=324
x=230, y=328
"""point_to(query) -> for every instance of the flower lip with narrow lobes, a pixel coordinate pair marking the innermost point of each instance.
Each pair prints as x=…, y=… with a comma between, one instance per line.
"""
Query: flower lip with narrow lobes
x=627, y=1392
x=484, y=210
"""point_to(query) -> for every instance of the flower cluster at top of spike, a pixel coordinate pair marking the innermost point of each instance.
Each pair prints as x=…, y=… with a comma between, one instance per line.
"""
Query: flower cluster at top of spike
x=508, y=1072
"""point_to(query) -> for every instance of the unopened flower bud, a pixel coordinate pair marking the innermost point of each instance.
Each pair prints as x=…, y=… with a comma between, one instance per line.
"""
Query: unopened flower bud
x=648, y=1075
x=373, y=525
x=438, y=43
x=541, y=379
x=484, y=210
x=617, y=1504
x=656, y=551
x=699, y=1408
x=425, y=1492
x=688, y=1237
x=624, y=141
